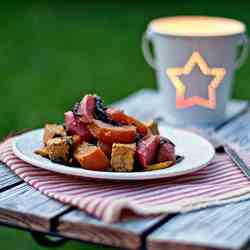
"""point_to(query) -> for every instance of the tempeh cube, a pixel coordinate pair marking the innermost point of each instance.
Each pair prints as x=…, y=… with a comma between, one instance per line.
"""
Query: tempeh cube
x=43, y=152
x=59, y=149
x=52, y=131
x=122, y=157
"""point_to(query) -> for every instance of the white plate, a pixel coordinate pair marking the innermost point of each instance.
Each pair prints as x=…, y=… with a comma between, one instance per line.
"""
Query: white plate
x=197, y=153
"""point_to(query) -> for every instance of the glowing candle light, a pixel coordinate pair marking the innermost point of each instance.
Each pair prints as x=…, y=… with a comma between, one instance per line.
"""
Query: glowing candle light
x=174, y=74
x=193, y=26
x=195, y=58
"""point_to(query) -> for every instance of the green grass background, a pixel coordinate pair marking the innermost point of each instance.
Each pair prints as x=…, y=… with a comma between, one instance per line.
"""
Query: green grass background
x=51, y=53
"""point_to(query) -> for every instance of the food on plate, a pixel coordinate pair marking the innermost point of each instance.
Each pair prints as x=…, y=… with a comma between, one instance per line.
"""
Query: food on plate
x=166, y=150
x=110, y=134
x=100, y=138
x=86, y=108
x=91, y=157
x=122, y=158
x=118, y=115
x=160, y=165
x=59, y=149
x=43, y=152
x=147, y=149
x=74, y=126
x=105, y=147
x=76, y=140
x=52, y=131
x=152, y=125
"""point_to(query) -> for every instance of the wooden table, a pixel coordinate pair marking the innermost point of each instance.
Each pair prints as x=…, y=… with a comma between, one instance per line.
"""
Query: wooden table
x=221, y=227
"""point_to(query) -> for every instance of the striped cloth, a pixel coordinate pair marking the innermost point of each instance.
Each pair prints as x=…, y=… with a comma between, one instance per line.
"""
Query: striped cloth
x=220, y=182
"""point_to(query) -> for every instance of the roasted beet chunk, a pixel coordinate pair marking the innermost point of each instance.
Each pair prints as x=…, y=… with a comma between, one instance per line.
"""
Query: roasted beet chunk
x=76, y=127
x=86, y=108
x=147, y=149
x=166, y=150
x=166, y=140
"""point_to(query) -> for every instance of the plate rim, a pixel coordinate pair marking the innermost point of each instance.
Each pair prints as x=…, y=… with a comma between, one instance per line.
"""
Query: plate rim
x=111, y=176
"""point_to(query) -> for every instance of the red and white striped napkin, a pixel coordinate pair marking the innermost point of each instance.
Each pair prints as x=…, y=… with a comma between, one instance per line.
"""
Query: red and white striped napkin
x=220, y=182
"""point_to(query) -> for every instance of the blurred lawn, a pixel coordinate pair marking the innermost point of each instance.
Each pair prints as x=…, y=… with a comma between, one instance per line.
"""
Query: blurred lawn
x=51, y=54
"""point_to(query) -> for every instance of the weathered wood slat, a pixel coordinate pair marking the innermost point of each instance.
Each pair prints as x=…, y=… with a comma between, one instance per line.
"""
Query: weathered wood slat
x=219, y=228
x=224, y=227
x=7, y=178
x=132, y=104
x=26, y=207
x=237, y=132
x=126, y=234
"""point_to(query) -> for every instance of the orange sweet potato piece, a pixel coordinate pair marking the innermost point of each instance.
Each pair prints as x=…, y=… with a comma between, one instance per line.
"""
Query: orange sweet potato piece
x=91, y=157
x=110, y=134
x=105, y=147
x=119, y=116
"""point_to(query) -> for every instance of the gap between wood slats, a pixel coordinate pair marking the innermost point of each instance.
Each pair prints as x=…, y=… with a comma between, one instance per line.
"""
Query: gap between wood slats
x=8, y=179
x=153, y=228
x=11, y=186
x=244, y=111
x=51, y=233
x=54, y=222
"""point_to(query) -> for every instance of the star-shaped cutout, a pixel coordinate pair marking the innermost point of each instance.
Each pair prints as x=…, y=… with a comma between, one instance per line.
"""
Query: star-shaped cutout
x=175, y=73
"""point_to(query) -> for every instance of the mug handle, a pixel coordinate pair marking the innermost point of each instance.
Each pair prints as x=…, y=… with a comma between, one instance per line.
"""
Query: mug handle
x=146, y=39
x=244, y=53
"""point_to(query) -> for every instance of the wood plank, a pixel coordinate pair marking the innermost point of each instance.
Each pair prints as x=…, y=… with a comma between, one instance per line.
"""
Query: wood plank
x=132, y=105
x=25, y=207
x=7, y=178
x=223, y=227
x=237, y=132
x=126, y=234
x=28, y=208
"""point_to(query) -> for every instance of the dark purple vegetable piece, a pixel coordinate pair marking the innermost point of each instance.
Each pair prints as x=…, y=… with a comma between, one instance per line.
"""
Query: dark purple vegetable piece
x=86, y=108
x=75, y=126
x=166, y=150
x=147, y=149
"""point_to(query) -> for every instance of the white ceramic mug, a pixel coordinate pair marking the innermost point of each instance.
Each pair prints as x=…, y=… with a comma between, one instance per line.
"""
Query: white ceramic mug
x=195, y=58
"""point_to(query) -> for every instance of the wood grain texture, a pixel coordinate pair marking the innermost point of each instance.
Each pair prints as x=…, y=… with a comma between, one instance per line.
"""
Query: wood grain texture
x=133, y=106
x=126, y=234
x=223, y=227
x=7, y=178
x=237, y=131
x=26, y=207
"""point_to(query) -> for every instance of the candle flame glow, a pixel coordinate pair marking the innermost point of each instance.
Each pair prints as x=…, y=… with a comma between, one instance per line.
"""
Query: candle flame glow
x=196, y=59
